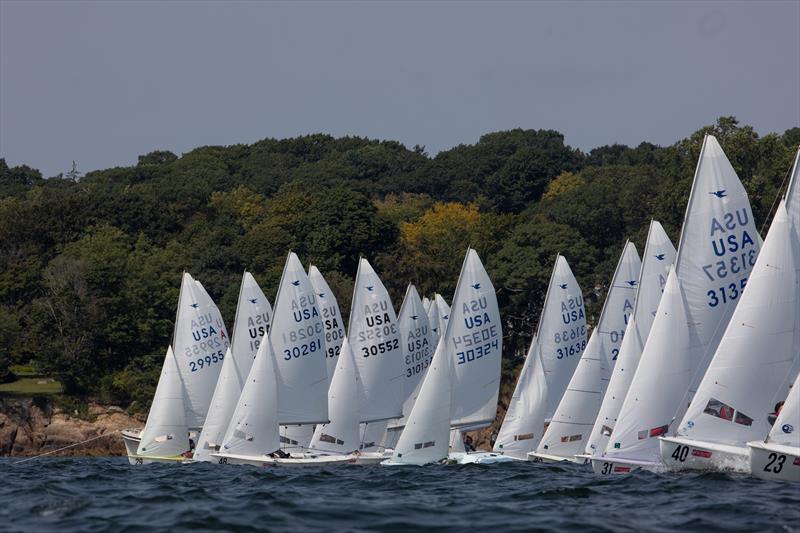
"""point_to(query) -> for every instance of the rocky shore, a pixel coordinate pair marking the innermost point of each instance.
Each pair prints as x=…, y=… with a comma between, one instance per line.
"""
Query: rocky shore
x=31, y=426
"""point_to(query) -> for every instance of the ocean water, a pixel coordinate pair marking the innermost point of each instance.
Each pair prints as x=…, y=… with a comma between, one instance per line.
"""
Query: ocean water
x=108, y=494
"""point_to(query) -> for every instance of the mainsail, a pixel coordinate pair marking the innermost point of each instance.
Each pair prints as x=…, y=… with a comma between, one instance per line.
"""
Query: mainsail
x=199, y=344
x=375, y=341
x=331, y=318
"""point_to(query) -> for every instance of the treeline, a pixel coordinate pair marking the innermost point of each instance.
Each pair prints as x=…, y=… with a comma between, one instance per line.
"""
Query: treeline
x=90, y=267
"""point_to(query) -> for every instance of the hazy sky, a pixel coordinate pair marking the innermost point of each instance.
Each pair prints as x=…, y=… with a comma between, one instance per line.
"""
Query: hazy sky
x=103, y=82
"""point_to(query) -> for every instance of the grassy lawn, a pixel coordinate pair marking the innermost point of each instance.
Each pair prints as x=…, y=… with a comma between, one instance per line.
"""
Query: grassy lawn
x=29, y=383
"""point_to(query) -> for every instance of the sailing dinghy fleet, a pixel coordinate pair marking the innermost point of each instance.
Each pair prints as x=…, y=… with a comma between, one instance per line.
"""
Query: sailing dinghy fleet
x=685, y=370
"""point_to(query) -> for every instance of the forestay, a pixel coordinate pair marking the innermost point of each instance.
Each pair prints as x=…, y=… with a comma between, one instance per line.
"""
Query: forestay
x=523, y=424
x=331, y=318
x=375, y=340
x=474, y=338
x=756, y=359
x=659, y=255
x=253, y=315
x=561, y=332
x=341, y=434
x=575, y=415
x=297, y=338
x=165, y=434
x=199, y=344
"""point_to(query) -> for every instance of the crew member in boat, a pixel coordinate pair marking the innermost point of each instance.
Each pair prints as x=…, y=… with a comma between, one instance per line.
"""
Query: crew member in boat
x=469, y=446
x=772, y=417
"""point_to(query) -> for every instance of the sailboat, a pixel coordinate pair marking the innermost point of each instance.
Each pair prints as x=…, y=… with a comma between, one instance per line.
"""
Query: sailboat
x=460, y=388
x=558, y=343
x=374, y=338
x=297, y=438
x=288, y=382
x=253, y=316
x=419, y=342
x=717, y=251
x=575, y=415
x=752, y=368
x=200, y=342
x=659, y=254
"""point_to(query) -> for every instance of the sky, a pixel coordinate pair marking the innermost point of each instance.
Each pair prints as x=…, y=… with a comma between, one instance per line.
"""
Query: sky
x=104, y=82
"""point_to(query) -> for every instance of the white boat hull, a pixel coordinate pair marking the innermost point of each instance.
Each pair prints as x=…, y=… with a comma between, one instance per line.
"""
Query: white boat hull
x=681, y=455
x=537, y=457
x=774, y=461
x=480, y=458
x=606, y=466
x=267, y=461
x=131, y=439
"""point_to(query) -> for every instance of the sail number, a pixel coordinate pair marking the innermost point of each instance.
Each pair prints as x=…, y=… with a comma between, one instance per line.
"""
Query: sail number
x=726, y=293
x=572, y=349
x=304, y=349
x=734, y=265
x=381, y=347
x=333, y=351
x=207, y=361
x=477, y=352
x=569, y=335
x=775, y=464
x=200, y=347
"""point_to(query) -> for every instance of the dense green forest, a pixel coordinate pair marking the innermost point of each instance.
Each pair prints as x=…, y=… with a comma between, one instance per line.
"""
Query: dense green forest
x=90, y=265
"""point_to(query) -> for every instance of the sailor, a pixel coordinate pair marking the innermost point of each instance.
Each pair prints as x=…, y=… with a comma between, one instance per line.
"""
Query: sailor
x=774, y=416
x=468, y=445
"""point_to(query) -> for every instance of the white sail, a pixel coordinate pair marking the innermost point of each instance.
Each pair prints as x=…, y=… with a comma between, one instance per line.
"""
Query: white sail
x=444, y=311
x=253, y=429
x=253, y=316
x=433, y=320
x=793, y=193
x=199, y=344
x=474, y=338
x=523, y=424
x=650, y=404
x=786, y=429
x=375, y=340
x=418, y=342
x=752, y=366
x=297, y=338
x=426, y=304
x=561, y=332
x=659, y=254
x=575, y=415
x=426, y=435
x=341, y=435
x=166, y=434
x=331, y=318
x=718, y=248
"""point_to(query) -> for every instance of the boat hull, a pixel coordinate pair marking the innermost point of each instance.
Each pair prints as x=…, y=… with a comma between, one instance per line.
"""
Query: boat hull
x=480, y=458
x=686, y=455
x=774, y=461
x=131, y=438
x=607, y=466
x=537, y=457
x=266, y=461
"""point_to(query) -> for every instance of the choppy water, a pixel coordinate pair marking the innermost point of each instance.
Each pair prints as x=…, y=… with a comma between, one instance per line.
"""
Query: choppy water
x=108, y=494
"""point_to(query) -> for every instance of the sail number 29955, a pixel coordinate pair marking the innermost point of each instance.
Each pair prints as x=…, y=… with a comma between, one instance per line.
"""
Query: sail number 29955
x=208, y=360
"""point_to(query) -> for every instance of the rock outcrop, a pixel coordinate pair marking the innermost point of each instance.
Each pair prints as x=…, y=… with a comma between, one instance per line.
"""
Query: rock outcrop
x=31, y=426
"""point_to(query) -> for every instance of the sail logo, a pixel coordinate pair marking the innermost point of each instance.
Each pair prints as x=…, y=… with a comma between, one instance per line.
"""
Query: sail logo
x=445, y=317
x=719, y=194
x=476, y=286
x=563, y=285
x=787, y=428
x=369, y=288
x=296, y=283
x=194, y=305
x=414, y=317
x=321, y=294
x=632, y=282
x=660, y=257
x=253, y=301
